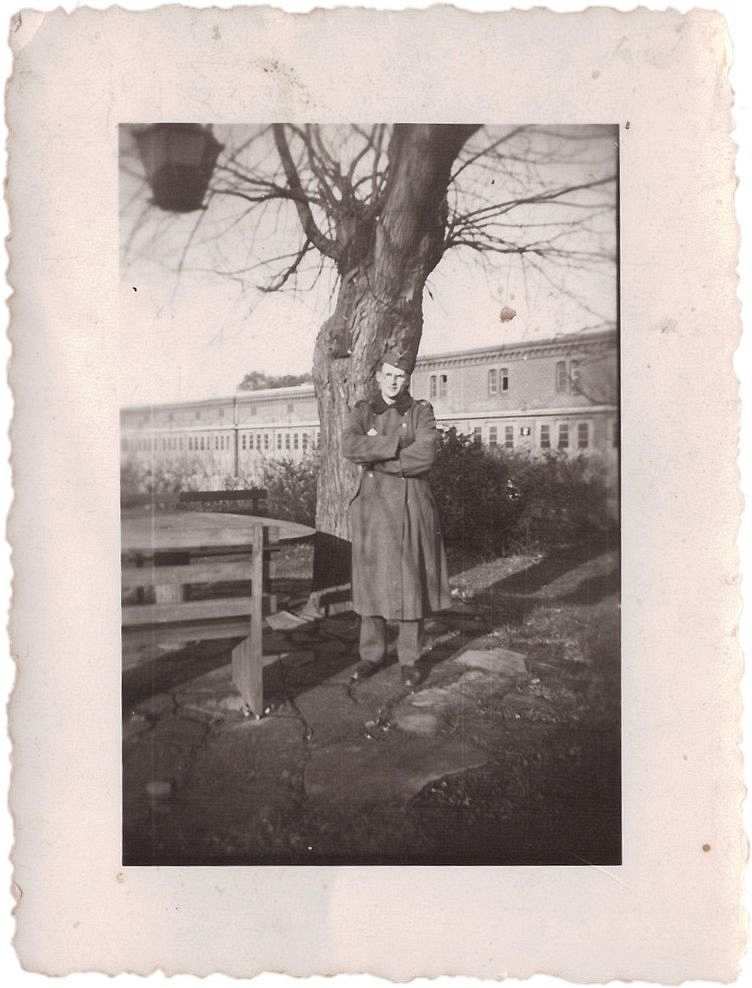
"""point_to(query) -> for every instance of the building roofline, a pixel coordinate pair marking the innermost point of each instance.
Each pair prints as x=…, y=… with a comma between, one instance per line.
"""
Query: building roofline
x=306, y=390
x=299, y=390
x=563, y=339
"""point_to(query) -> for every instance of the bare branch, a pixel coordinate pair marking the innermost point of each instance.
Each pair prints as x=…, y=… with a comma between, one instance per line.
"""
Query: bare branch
x=322, y=243
x=280, y=282
x=486, y=150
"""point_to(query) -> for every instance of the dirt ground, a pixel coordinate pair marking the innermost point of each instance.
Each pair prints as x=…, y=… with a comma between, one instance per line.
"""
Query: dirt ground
x=507, y=753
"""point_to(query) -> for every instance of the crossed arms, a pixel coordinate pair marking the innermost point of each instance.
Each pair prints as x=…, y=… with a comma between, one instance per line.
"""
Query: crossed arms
x=390, y=454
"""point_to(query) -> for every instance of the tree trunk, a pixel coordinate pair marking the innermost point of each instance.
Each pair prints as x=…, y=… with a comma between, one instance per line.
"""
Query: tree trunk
x=380, y=303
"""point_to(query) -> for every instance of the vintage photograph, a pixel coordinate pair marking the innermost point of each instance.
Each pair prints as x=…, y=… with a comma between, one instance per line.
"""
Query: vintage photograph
x=369, y=398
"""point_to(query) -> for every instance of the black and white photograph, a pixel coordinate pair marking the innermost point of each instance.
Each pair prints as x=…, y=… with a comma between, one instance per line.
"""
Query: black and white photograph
x=370, y=493
x=376, y=507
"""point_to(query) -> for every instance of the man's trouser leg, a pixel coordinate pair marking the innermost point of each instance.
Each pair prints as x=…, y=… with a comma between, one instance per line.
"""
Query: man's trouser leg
x=372, y=638
x=409, y=642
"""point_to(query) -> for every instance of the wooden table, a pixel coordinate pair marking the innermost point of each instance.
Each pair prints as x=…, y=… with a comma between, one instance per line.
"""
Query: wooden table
x=175, y=551
x=171, y=531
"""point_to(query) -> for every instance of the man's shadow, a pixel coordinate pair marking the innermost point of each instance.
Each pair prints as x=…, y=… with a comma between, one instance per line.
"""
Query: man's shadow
x=334, y=644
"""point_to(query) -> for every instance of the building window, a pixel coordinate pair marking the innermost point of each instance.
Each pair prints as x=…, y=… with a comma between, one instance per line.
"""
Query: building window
x=216, y=442
x=561, y=376
x=432, y=386
x=198, y=413
x=252, y=409
x=504, y=378
x=243, y=441
x=508, y=437
x=493, y=436
x=305, y=442
x=574, y=376
x=563, y=435
x=221, y=413
x=279, y=440
x=295, y=441
x=287, y=440
x=443, y=386
x=266, y=440
x=318, y=439
x=545, y=437
x=290, y=408
x=583, y=435
x=477, y=435
x=493, y=381
x=258, y=441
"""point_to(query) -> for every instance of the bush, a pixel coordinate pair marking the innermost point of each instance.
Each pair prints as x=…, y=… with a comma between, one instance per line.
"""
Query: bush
x=564, y=499
x=138, y=482
x=497, y=500
x=490, y=500
x=473, y=488
x=290, y=485
x=291, y=489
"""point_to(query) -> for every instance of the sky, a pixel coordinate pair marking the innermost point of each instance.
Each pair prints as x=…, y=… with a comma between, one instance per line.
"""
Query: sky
x=196, y=333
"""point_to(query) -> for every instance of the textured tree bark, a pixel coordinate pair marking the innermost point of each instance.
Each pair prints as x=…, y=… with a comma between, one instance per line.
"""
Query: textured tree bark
x=386, y=259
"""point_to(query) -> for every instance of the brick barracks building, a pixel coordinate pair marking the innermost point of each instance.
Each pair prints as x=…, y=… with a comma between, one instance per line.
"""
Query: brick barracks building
x=540, y=396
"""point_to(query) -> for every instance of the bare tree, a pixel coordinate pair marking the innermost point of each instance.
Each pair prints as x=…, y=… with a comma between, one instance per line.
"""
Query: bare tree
x=378, y=207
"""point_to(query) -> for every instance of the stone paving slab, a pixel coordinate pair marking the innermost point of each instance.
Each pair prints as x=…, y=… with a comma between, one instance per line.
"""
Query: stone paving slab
x=155, y=706
x=396, y=767
x=502, y=661
x=421, y=722
x=331, y=716
x=437, y=697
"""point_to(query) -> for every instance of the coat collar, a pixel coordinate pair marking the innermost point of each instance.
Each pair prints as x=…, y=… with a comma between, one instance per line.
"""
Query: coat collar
x=403, y=402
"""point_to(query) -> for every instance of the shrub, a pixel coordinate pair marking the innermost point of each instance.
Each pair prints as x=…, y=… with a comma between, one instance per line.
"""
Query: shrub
x=472, y=487
x=291, y=488
x=564, y=499
x=489, y=500
x=497, y=500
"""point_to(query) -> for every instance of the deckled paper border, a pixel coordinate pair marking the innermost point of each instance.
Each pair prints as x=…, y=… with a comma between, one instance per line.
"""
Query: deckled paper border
x=671, y=911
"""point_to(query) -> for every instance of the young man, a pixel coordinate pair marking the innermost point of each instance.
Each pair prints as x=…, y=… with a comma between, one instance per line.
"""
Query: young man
x=398, y=562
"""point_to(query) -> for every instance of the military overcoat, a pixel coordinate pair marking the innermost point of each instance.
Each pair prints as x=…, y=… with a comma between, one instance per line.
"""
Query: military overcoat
x=398, y=561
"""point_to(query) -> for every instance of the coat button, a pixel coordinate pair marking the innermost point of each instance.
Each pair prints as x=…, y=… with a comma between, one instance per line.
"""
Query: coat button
x=404, y=425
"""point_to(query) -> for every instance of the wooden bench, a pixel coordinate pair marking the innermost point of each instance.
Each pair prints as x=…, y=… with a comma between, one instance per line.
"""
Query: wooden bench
x=185, y=579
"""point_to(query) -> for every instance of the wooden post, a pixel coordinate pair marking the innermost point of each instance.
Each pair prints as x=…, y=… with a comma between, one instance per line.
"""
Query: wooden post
x=247, y=656
x=271, y=546
x=168, y=593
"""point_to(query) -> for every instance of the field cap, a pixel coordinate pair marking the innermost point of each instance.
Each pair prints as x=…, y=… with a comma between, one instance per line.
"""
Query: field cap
x=399, y=358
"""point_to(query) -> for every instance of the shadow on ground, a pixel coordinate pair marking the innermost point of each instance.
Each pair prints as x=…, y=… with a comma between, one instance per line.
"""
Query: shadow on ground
x=509, y=753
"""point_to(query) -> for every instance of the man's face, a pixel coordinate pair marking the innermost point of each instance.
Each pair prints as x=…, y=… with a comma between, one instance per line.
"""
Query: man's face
x=391, y=381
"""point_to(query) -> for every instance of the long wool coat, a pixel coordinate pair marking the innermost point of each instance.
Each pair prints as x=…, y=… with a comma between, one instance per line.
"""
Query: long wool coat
x=398, y=561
